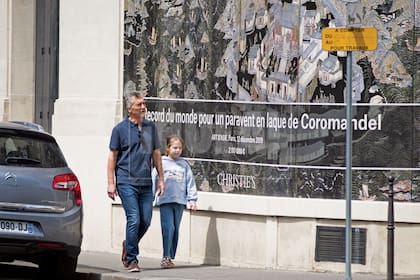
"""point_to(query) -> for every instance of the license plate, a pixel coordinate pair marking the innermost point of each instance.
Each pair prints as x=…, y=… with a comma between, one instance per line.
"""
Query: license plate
x=8, y=226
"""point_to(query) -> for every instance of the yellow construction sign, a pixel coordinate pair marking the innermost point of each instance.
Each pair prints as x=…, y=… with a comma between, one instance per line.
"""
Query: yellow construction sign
x=349, y=39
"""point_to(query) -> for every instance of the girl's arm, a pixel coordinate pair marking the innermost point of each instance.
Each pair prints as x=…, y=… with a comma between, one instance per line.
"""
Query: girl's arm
x=192, y=195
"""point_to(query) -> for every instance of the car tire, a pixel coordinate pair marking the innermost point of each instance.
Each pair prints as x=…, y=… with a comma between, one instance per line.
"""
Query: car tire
x=58, y=266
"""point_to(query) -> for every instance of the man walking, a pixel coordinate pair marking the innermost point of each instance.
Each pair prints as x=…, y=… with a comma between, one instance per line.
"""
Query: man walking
x=134, y=147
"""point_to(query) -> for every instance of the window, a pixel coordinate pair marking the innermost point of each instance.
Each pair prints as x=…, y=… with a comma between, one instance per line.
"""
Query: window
x=30, y=151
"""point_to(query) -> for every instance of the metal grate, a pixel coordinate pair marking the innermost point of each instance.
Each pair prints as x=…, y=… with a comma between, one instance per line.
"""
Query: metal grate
x=331, y=244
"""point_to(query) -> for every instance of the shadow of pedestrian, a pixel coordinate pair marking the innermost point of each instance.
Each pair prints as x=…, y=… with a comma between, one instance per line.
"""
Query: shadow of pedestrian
x=212, y=254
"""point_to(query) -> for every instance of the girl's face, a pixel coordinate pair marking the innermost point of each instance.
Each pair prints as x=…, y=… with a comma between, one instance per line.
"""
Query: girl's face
x=175, y=149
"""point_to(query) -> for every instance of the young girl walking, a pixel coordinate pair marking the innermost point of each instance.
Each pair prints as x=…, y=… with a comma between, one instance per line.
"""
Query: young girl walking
x=180, y=192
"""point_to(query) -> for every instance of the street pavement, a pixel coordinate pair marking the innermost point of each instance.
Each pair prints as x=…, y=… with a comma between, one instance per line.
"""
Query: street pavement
x=107, y=266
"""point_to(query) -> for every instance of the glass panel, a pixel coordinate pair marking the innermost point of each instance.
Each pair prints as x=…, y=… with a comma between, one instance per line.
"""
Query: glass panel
x=30, y=151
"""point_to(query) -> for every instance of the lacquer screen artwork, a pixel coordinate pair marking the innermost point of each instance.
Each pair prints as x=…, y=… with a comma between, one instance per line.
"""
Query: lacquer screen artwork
x=260, y=104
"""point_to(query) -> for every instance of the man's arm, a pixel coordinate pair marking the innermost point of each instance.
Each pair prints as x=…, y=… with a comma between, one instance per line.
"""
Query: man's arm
x=157, y=161
x=112, y=162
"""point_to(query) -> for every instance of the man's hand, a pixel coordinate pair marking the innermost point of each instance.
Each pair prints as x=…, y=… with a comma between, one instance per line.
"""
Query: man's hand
x=112, y=191
x=161, y=187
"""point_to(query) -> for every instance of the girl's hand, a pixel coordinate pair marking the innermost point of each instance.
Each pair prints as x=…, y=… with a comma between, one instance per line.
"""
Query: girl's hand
x=192, y=205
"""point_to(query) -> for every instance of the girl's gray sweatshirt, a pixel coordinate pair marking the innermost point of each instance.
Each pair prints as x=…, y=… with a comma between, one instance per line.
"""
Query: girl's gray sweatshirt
x=179, y=180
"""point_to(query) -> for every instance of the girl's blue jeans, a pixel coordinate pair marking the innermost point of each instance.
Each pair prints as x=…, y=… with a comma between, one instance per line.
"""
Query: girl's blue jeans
x=170, y=219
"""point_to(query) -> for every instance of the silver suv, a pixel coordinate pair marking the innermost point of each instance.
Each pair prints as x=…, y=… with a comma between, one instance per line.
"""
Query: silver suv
x=40, y=201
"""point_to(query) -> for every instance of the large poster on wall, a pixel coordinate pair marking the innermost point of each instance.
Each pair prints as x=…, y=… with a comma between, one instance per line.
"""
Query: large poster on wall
x=260, y=104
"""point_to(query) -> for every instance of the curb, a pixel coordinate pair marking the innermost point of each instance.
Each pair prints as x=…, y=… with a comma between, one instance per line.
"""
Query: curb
x=132, y=276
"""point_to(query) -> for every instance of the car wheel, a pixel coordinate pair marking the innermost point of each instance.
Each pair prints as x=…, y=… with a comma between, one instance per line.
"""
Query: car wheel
x=60, y=266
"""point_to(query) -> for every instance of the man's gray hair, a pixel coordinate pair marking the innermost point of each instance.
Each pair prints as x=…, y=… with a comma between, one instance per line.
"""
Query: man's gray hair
x=130, y=90
x=128, y=95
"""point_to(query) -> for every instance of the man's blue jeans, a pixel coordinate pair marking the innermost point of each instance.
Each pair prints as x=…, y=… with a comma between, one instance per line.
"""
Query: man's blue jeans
x=138, y=206
x=170, y=219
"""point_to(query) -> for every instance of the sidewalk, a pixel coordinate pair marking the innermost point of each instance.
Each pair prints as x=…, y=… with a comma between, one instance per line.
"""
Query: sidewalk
x=107, y=266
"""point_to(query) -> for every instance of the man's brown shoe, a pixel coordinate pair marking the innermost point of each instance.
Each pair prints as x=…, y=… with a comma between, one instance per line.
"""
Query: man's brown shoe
x=133, y=267
x=124, y=255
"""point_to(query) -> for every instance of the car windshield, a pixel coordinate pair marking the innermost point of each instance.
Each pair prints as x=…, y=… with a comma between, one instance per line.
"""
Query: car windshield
x=31, y=151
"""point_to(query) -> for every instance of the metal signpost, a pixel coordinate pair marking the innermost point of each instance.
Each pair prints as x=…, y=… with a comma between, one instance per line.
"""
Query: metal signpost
x=390, y=227
x=349, y=39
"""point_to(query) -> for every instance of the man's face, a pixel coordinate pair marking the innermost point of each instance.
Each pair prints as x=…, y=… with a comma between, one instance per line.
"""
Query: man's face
x=138, y=107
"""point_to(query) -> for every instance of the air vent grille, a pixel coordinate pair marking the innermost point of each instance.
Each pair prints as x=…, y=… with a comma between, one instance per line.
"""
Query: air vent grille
x=331, y=244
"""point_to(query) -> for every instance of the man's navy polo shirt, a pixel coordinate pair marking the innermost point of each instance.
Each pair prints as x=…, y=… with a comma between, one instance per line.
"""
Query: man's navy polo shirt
x=135, y=148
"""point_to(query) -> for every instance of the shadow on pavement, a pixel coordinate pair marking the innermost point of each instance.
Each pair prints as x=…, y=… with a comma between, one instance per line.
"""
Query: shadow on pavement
x=30, y=272
x=179, y=266
x=10, y=271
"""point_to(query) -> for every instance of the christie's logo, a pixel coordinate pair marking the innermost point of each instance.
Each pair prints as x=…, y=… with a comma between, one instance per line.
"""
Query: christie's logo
x=229, y=181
